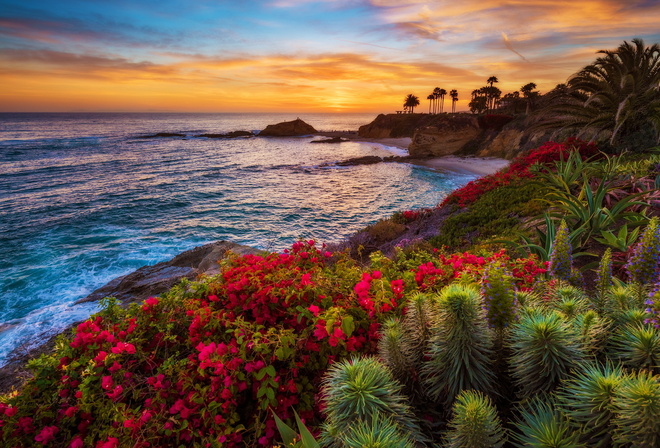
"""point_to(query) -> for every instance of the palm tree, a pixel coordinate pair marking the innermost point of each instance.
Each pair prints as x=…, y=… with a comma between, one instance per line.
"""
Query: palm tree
x=431, y=97
x=454, y=98
x=617, y=96
x=436, y=94
x=528, y=92
x=442, y=94
x=410, y=102
x=491, y=97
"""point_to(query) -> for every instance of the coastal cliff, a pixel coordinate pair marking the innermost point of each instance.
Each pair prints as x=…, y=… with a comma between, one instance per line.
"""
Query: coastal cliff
x=501, y=136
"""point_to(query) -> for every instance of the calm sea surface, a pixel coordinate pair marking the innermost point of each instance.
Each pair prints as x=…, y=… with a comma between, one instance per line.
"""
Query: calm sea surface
x=83, y=200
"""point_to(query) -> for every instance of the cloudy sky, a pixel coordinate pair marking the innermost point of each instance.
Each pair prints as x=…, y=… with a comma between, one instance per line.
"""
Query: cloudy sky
x=295, y=55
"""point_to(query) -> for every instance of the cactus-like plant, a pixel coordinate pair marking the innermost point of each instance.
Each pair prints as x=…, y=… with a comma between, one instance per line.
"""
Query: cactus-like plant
x=637, y=404
x=418, y=319
x=461, y=349
x=561, y=258
x=359, y=390
x=499, y=297
x=391, y=350
x=644, y=263
x=545, y=348
x=638, y=346
x=379, y=432
x=474, y=423
x=541, y=424
x=587, y=399
x=593, y=330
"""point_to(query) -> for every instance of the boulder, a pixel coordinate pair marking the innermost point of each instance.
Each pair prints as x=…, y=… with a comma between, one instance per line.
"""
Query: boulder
x=330, y=140
x=288, y=129
x=152, y=280
x=446, y=137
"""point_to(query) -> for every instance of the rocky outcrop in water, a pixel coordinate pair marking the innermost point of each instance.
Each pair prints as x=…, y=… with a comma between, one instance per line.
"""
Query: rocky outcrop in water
x=152, y=280
x=288, y=129
x=233, y=134
x=162, y=135
x=447, y=136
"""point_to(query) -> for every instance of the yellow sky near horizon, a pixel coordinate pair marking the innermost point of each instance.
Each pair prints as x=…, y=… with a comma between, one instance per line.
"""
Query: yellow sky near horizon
x=297, y=55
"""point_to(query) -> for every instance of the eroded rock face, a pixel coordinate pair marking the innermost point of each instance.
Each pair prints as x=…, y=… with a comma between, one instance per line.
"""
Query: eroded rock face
x=288, y=129
x=505, y=145
x=446, y=137
x=150, y=281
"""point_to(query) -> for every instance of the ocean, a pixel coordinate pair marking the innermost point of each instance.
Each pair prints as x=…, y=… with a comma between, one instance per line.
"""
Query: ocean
x=83, y=200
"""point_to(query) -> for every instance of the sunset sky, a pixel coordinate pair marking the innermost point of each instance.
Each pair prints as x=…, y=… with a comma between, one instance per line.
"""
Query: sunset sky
x=295, y=55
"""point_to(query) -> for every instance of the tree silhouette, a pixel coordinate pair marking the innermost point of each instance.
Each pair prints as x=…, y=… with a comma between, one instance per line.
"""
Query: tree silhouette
x=431, y=97
x=493, y=92
x=528, y=93
x=454, y=98
x=436, y=95
x=442, y=94
x=410, y=102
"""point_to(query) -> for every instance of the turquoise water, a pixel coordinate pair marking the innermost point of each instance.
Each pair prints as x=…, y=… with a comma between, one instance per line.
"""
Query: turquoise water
x=82, y=200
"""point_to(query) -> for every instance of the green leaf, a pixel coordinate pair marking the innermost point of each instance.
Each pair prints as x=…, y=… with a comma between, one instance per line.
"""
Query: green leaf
x=270, y=393
x=270, y=370
x=348, y=326
x=261, y=373
x=287, y=433
x=306, y=436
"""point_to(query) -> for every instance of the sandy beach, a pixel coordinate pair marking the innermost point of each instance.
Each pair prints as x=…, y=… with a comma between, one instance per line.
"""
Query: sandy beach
x=481, y=166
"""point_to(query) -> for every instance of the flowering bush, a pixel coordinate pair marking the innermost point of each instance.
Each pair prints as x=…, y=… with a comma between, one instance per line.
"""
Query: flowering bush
x=205, y=363
x=519, y=168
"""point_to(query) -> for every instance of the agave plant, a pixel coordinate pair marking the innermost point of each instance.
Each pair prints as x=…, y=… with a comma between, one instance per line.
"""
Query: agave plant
x=637, y=404
x=359, y=390
x=545, y=348
x=638, y=346
x=474, y=423
x=587, y=399
x=461, y=349
x=541, y=424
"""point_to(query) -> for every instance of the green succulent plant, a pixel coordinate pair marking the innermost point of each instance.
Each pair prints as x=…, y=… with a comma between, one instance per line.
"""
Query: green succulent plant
x=379, y=432
x=418, y=319
x=541, y=424
x=359, y=390
x=461, y=349
x=474, y=423
x=545, y=348
x=391, y=349
x=637, y=404
x=587, y=399
x=593, y=330
x=638, y=346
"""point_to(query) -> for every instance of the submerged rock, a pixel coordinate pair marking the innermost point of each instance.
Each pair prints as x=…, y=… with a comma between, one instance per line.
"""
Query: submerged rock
x=233, y=134
x=331, y=140
x=288, y=129
x=162, y=135
x=153, y=280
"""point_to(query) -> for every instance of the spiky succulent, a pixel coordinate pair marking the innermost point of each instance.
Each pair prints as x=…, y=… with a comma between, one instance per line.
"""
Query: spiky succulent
x=420, y=313
x=474, y=423
x=498, y=292
x=359, y=390
x=638, y=346
x=587, y=399
x=541, y=424
x=593, y=330
x=561, y=258
x=545, y=348
x=379, y=432
x=461, y=349
x=637, y=404
x=644, y=263
x=390, y=349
